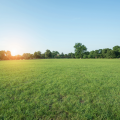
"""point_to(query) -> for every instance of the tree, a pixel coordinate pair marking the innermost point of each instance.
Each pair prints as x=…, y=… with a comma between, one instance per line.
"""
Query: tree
x=85, y=56
x=35, y=54
x=18, y=57
x=47, y=54
x=92, y=55
x=116, y=48
x=26, y=56
x=100, y=51
x=69, y=55
x=66, y=56
x=79, y=50
x=117, y=51
x=62, y=55
x=38, y=54
x=2, y=55
x=111, y=54
x=54, y=54
x=104, y=52
x=31, y=56
x=72, y=55
x=96, y=53
x=86, y=53
x=43, y=55
x=8, y=54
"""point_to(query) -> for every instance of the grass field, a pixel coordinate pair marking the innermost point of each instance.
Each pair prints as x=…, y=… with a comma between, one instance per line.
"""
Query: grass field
x=60, y=89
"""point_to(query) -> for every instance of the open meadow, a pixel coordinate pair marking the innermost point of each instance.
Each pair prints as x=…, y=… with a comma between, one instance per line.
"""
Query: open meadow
x=59, y=89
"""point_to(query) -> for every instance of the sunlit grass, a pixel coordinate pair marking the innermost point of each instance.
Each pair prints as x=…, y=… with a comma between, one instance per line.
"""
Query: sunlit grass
x=60, y=89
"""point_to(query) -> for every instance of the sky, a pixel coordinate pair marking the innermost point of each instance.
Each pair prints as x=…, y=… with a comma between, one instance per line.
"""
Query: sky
x=27, y=26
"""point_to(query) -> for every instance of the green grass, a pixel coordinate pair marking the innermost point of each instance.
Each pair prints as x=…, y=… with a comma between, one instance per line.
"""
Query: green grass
x=60, y=89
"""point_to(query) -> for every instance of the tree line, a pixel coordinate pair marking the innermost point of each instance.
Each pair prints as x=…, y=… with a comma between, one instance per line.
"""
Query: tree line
x=80, y=52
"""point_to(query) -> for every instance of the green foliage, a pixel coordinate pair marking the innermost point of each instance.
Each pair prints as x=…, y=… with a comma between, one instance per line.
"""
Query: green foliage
x=90, y=56
x=60, y=89
x=85, y=56
x=111, y=54
x=26, y=56
x=96, y=53
x=86, y=53
x=37, y=54
x=116, y=48
x=100, y=51
x=65, y=56
x=48, y=54
x=117, y=51
x=54, y=54
x=79, y=50
x=105, y=51
x=62, y=55
x=71, y=55
x=43, y=55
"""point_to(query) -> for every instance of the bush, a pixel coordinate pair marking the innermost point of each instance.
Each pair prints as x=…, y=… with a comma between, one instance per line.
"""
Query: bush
x=85, y=56
x=90, y=56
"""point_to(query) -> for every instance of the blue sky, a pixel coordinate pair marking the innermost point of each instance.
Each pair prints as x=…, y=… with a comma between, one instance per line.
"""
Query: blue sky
x=36, y=25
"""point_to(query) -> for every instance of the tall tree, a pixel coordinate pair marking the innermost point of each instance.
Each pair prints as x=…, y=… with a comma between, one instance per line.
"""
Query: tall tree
x=116, y=48
x=79, y=50
x=38, y=54
x=47, y=54
x=117, y=51
x=35, y=54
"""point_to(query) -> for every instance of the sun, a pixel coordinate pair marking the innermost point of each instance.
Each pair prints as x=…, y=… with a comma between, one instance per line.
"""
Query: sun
x=13, y=52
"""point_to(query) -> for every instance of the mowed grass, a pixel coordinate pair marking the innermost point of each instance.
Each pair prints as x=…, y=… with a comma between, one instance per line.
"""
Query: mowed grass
x=60, y=89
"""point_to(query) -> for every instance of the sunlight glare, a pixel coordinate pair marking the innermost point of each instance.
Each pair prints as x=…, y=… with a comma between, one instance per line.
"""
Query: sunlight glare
x=13, y=52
